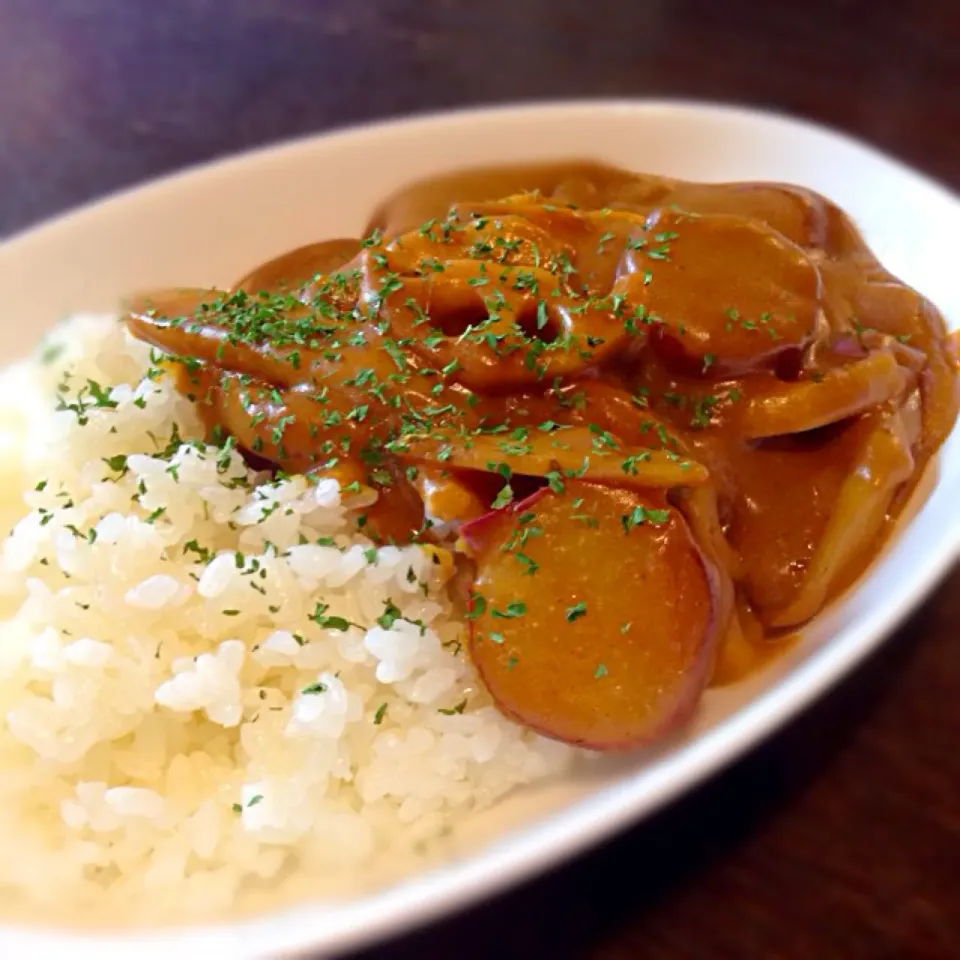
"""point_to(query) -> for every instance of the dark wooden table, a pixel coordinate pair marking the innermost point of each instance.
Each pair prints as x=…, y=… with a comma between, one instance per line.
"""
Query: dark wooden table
x=841, y=837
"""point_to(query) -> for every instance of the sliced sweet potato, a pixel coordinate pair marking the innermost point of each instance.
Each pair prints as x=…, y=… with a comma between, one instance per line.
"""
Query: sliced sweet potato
x=295, y=269
x=417, y=202
x=594, y=614
x=731, y=294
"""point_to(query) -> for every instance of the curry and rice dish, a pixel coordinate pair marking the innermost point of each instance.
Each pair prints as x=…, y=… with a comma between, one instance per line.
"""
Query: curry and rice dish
x=317, y=564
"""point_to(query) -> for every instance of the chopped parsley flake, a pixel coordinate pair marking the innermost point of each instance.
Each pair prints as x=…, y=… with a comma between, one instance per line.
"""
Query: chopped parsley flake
x=516, y=608
x=575, y=612
x=452, y=711
x=320, y=618
x=640, y=515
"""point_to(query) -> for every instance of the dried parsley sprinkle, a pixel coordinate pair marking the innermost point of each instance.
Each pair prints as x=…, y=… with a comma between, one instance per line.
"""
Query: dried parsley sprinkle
x=204, y=555
x=580, y=471
x=542, y=318
x=320, y=618
x=600, y=672
x=51, y=352
x=315, y=688
x=100, y=395
x=380, y=714
x=453, y=711
x=703, y=411
x=604, y=238
x=554, y=481
x=516, y=608
x=629, y=465
x=390, y=615
x=575, y=612
x=641, y=514
x=478, y=606
x=603, y=438
x=530, y=566
x=503, y=498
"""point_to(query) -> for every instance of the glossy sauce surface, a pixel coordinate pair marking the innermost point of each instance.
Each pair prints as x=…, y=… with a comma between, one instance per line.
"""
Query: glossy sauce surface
x=732, y=351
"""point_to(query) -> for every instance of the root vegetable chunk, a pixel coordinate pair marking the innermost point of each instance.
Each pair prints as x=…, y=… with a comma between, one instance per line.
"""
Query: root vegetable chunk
x=594, y=614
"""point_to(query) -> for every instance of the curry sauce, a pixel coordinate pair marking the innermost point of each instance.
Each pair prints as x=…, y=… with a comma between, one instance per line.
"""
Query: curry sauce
x=665, y=420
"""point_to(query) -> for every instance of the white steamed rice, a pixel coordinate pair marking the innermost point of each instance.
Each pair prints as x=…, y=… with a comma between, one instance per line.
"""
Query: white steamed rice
x=175, y=731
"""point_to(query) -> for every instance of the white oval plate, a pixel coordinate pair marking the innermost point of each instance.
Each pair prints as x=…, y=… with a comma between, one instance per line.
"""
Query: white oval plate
x=207, y=226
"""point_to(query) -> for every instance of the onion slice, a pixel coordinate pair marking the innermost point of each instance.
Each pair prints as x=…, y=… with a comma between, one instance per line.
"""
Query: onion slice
x=842, y=392
x=884, y=462
x=572, y=453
